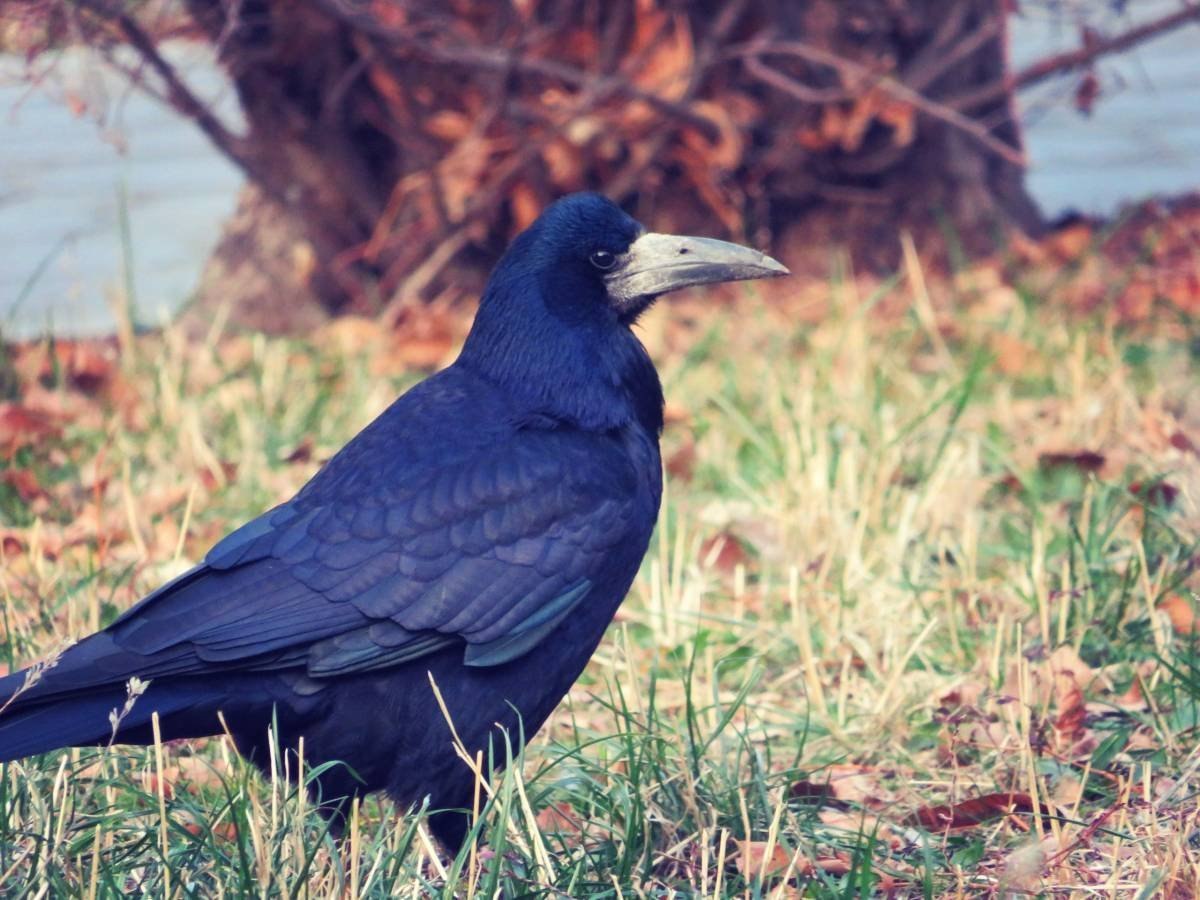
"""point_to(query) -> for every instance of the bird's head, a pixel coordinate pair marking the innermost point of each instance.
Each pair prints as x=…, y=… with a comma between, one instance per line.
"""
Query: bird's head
x=554, y=322
x=594, y=260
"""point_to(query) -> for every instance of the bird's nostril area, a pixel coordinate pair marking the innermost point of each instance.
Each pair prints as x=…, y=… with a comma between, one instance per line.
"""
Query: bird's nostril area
x=683, y=250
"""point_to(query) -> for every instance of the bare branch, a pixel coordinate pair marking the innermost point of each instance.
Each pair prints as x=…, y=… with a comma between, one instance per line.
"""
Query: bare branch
x=789, y=85
x=1061, y=63
x=727, y=18
x=178, y=94
x=508, y=60
x=856, y=73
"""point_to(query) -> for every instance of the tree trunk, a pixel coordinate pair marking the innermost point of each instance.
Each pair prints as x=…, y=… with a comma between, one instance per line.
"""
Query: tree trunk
x=392, y=141
x=953, y=192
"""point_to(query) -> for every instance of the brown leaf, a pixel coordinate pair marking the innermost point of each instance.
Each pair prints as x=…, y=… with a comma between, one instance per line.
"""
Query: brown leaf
x=90, y=365
x=447, y=124
x=1181, y=441
x=226, y=831
x=662, y=43
x=423, y=339
x=1012, y=353
x=973, y=812
x=1070, y=242
x=24, y=482
x=725, y=152
x=559, y=817
x=856, y=821
x=525, y=205
x=21, y=426
x=168, y=782
x=349, y=335
x=810, y=790
x=753, y=860
x=858, y=784
x=10, y=544
x=682, y=462
x=198, y=772
x=1072, y=715
x=1087, y=92
x=723, y=551
x=1180, y=612
x=1070, y=677
x=674, y=414
x=302, y=452
x=214, y=480
x=1087, y=461
x=1155, y=493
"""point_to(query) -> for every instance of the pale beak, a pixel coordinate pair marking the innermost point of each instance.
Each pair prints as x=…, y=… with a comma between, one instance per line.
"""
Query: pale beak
x=657, y=263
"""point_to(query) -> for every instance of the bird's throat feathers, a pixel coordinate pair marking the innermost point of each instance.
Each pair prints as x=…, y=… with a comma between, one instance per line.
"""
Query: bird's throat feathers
x=561, y=353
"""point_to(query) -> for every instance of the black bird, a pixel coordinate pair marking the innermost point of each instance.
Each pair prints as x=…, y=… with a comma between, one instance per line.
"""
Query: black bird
x=481, y=532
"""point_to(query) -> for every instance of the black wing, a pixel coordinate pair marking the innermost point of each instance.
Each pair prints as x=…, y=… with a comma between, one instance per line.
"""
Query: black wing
x=373, y=564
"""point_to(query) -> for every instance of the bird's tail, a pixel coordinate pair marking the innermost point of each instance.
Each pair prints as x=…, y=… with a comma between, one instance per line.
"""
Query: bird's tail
x=108, y=714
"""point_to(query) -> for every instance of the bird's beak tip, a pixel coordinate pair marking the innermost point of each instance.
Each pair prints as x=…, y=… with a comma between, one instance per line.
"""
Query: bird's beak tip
x=774, y=268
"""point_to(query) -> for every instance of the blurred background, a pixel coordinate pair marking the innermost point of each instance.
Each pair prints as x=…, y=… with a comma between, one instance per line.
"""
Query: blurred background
x=289, y=165
x=929, y=557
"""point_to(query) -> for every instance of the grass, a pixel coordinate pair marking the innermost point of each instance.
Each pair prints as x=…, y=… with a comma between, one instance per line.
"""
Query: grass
x=900, y=582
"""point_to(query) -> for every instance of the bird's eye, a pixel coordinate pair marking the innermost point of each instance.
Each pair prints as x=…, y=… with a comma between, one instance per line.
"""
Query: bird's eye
x=603, y=260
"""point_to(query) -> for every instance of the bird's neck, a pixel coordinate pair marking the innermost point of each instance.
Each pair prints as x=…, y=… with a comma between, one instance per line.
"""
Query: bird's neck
x=594, y=375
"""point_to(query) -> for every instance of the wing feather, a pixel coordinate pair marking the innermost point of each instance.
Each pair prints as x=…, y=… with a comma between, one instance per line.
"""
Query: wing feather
x=379, y=560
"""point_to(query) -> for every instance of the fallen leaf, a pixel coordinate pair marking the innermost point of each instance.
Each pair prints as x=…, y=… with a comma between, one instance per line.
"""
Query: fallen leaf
x=1087, y=92
x=21, y=426
x=226, y=831
x=856, y=822
x=1181, y=441
x=810, y=791
x=1012, y=353
x=754, y=860
x=349, y=335
x=674, y=414
x=168, y=782
x=302, y=452
x=422, y=339
x=24, y=482
x=558, y=817
x=1155, y=493
x=682, y=462
x=1071, y=714
x=973, y=812
x=858, y=784
x=723, y=552
x=1087, y=461
x=1180, y=612
x=1071, y=241
x=198, y=772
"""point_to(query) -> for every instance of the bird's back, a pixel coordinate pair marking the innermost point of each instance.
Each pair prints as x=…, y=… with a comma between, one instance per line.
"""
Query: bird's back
x=457, y=532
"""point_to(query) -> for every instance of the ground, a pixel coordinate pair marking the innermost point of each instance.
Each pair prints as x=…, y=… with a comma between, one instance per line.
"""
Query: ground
x=918, y=619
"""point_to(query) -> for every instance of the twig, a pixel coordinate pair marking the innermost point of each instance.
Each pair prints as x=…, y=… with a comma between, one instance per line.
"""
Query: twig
x=789, y=85
x=854, y=72
x=448, y=245
x=727, y=18
x=1060, y=63
x=506, y=60
x=178, y=94
x=921, y=76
